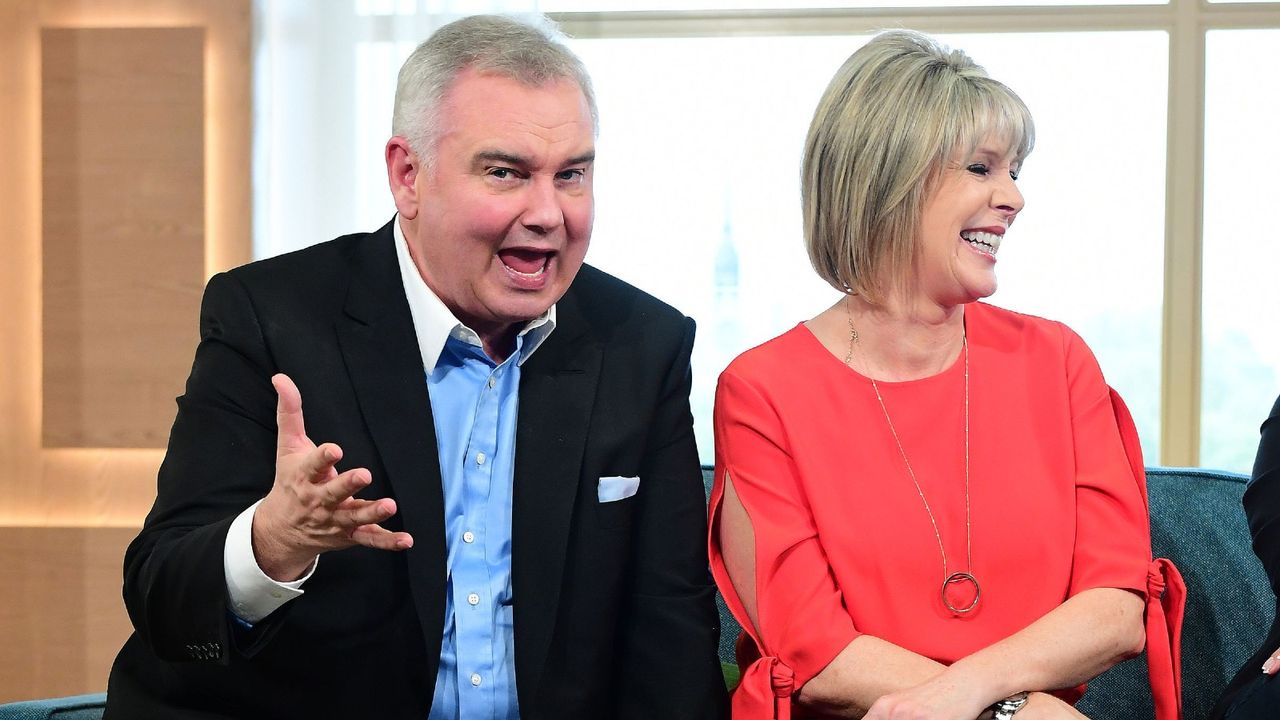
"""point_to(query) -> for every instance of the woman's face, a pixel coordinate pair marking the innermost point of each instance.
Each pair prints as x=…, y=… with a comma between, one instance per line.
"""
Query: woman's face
x=964, y=221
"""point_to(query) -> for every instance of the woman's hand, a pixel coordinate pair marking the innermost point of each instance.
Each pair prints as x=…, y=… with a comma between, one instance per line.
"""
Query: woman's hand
x=942, y=698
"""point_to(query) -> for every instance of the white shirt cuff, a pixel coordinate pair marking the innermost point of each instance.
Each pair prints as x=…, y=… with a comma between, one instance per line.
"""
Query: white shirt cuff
x=252, y=594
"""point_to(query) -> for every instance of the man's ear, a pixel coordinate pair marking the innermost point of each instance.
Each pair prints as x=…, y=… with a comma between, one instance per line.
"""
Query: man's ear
x=403, y=166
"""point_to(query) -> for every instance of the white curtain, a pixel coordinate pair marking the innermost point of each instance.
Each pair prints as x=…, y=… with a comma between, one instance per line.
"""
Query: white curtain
x=324, y=81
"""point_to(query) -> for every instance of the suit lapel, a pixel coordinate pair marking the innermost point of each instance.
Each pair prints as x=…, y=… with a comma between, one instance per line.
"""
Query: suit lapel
x=557, y=392
x=385, y=365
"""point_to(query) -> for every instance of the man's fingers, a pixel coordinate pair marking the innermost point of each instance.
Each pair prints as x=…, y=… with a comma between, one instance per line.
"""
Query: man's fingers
x=289, y=426
x=317, y=467
x=354, y=513
x=380, y=538
x=338, y=489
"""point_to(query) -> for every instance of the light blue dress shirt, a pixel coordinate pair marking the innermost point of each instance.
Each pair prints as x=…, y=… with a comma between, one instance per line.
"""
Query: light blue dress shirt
x=474, y=402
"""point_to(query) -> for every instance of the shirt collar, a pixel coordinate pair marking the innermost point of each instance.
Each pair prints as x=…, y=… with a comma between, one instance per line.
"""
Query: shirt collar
x=434, y=324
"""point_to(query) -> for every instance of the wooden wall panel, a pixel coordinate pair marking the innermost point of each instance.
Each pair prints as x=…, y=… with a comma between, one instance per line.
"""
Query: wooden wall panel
x=63, y=617
x=19, y=252
x=123, y=229
x=67, y=513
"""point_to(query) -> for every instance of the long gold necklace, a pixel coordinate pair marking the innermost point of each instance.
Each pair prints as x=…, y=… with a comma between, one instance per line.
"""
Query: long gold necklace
x=949, y=578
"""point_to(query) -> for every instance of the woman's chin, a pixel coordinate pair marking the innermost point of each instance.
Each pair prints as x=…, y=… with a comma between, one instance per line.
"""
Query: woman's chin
x=982, y=287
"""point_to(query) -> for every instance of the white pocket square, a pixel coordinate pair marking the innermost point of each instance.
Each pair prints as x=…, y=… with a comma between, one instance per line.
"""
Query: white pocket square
x=612, y=489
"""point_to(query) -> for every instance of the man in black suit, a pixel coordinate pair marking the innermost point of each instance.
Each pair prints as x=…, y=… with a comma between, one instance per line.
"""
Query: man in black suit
x=491, y=507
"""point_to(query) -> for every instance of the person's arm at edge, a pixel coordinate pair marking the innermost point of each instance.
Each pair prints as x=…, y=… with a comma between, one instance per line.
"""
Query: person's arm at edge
x=1262, y=508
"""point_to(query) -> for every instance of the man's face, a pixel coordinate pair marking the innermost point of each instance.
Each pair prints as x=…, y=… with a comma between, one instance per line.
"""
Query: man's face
x=505, y=207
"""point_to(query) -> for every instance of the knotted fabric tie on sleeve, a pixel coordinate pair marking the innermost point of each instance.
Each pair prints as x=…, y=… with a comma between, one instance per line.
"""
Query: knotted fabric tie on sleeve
x=765, y=691
x=1166, y=600
x=1166, y=593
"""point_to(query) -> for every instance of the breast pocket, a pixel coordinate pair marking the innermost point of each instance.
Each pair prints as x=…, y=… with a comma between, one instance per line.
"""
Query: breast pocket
x=616, y=500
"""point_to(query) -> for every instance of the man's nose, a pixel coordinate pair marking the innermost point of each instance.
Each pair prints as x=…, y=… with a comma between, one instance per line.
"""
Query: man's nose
x=543, y=213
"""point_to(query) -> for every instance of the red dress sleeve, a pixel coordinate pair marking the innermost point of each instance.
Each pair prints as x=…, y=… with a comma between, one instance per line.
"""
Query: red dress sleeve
x=801, y=611
x=1112, y=546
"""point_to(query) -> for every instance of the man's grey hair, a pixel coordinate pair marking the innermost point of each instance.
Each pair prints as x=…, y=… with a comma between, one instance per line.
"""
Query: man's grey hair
x=492, y=44
x=898, y=110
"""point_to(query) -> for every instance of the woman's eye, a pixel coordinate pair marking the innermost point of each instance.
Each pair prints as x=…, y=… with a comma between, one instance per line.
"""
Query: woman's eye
x=978, y=169
x=1014, y=174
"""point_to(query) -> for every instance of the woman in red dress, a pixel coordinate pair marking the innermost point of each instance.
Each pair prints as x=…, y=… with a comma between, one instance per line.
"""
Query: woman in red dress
x=923, y=505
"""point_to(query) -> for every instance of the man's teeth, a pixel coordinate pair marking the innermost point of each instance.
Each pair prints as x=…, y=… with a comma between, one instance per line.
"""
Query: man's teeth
x=986, y=242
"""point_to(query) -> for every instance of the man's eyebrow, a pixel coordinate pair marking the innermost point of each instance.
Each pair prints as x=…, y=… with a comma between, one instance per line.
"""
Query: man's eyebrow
x=506, y=158
x=500, y=157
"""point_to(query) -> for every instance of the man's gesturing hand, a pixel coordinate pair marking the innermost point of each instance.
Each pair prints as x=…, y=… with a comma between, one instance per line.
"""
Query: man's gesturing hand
x=310, y=508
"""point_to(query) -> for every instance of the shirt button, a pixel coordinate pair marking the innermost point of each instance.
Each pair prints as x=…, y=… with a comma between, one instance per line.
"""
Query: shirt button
x=474, y=599
x=492, y=381
x=480, y=458
x=475, y=679
x=468, y=537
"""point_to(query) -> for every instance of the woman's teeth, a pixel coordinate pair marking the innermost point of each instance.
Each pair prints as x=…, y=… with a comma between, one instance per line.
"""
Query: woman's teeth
x=986, y=242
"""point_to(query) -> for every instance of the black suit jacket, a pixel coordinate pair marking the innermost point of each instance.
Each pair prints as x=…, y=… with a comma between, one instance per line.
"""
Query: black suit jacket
x=1256, y=692
x=613, y=603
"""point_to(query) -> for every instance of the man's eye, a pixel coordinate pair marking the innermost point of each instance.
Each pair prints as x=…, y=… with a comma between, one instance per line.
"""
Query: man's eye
x=978, y=169
x=502, y=173
x=571, y=175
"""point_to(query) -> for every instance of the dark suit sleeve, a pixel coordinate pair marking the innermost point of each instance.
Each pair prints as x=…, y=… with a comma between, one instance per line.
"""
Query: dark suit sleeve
x=668, y=643
x=1262, y=499
x=219, y=461
x=1262, y=509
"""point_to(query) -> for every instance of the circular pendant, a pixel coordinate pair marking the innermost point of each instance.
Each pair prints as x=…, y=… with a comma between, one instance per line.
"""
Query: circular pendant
x=961, y=578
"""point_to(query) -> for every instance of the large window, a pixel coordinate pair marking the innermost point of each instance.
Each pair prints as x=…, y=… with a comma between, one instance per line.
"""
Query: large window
x=1147, y=196
x=698, y=197
x=1241, y=371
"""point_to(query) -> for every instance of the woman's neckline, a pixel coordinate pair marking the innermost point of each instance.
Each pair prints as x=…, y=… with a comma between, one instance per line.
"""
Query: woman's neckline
x=955, y=366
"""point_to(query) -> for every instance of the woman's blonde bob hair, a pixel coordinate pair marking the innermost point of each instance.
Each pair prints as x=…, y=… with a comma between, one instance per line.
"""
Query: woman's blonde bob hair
x=898, y=110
